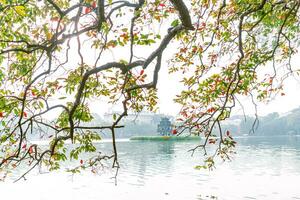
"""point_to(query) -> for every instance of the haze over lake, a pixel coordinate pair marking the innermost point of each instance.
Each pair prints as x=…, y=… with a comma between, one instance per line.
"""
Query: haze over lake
x=263, y=168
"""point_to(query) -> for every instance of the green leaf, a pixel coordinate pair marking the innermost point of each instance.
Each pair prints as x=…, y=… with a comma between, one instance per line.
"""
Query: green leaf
x=175, y=23
x=133, y=93
x=198, y=167
x=20, y=10
x=41, y=104
x=123, y=62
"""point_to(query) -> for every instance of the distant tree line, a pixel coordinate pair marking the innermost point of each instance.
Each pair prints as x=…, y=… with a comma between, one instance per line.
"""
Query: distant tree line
x=271, y=124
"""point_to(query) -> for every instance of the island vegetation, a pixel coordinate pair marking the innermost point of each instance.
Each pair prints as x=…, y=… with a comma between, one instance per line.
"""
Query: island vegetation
x=273, y=124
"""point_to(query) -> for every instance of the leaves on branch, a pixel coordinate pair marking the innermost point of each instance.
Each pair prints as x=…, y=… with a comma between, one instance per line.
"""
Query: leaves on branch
x=55, y=59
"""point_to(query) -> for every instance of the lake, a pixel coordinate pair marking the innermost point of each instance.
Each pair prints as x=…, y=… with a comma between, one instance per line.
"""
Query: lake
x=263, y=168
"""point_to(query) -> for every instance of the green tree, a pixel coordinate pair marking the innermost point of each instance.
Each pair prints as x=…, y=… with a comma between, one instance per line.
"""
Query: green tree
x=47, y=67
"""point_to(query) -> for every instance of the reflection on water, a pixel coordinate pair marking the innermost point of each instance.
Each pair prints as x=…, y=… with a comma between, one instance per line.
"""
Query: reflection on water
x=263, y=168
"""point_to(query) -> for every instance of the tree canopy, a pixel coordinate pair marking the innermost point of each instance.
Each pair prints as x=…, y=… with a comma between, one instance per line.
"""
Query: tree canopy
x=59, y=56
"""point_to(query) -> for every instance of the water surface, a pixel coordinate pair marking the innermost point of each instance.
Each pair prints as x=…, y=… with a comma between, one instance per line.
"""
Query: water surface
x=263, y=168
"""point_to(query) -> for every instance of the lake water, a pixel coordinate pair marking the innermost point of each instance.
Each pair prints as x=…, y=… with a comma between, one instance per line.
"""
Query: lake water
x=263, y=168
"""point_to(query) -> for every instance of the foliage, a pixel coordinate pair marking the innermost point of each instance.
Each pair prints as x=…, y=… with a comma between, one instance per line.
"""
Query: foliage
x=47, y=67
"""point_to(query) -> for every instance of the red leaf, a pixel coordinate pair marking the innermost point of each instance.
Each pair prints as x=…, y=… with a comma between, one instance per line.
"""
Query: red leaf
x=33, y=93
x=162, y=5
x=142, y=72
x=30, y=150
x=59, y=87
x=55, y=19
x=183, y=113
x=123, y=35
x=24, y=114
x=211, y=110
x=87, y=10
x=174, y=132
x=24, y=146
x=227, y=133
x=81, y=162
x=1, y=114
x=94, y=4
x=211, y=141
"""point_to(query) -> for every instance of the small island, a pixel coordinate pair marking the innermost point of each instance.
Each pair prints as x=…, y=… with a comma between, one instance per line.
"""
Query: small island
x=165, y=132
